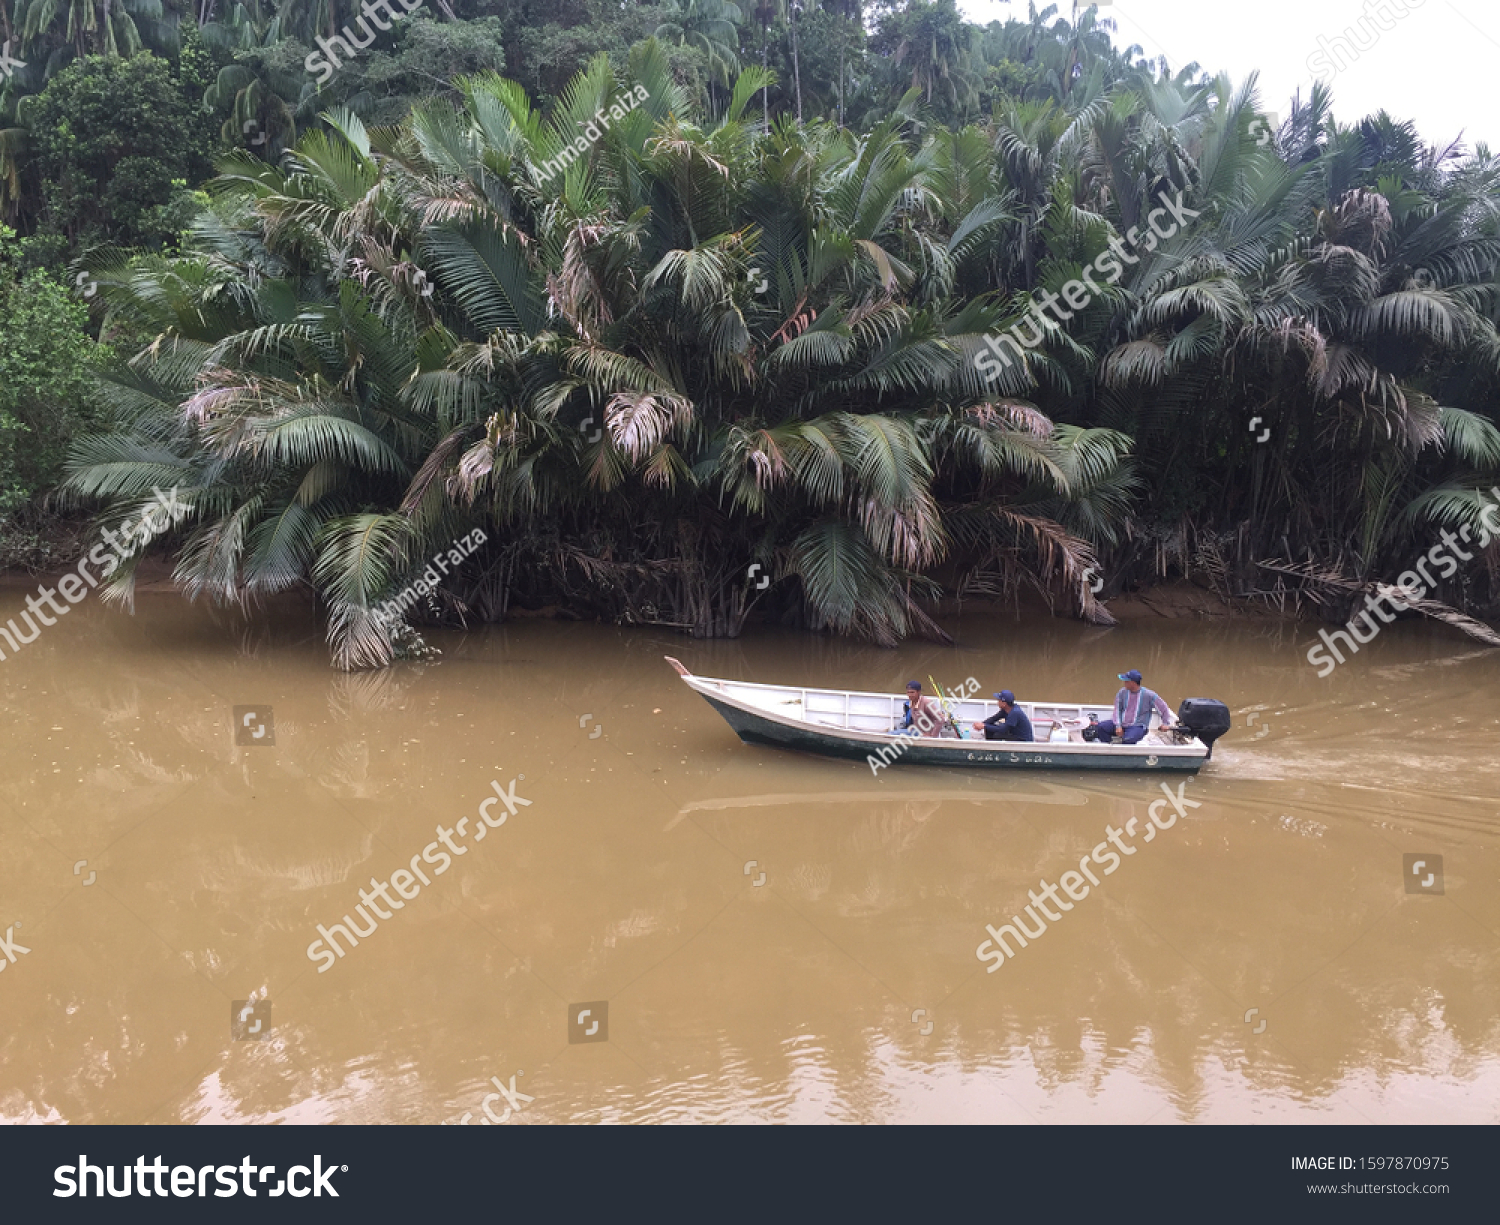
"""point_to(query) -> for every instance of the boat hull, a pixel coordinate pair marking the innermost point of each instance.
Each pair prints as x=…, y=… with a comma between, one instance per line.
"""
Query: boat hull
x=755, y=728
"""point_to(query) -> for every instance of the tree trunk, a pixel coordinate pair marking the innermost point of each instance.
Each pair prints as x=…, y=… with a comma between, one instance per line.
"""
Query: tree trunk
x=796, y=66
x=765, y=94
x=841, y=79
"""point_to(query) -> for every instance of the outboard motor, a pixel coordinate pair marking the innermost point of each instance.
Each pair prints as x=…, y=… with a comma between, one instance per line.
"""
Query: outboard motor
x=1206, y=718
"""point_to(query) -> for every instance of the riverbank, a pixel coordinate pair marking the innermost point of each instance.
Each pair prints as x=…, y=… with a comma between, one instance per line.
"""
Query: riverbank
x=1176, y=599
x=153, y=574
x=1173, y=599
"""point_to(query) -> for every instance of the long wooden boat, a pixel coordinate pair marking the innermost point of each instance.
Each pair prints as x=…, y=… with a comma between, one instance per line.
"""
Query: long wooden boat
x=851, y=724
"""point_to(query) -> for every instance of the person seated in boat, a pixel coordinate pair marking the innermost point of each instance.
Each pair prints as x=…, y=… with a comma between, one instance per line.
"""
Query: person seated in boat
x=1007, y=723
x=1133, y=707
x=924, y=717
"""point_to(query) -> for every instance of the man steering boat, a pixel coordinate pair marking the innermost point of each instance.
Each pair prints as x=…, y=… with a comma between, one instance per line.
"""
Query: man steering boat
x=1133, y=707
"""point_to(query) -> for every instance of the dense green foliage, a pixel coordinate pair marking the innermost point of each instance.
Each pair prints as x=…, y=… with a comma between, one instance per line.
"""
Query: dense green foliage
x=46, y=393
x=244, y=61
x=112, y=142
x=751, y=319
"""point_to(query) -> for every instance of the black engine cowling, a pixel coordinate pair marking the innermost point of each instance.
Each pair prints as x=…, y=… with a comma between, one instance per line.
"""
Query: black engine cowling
x=1205, y=718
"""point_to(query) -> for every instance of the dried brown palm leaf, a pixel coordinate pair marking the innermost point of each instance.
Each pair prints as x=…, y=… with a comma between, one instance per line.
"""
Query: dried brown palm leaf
x=640, y=421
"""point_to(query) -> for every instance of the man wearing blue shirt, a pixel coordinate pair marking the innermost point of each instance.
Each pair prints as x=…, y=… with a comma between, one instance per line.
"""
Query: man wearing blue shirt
x=1008, y=723
x=1133, y=707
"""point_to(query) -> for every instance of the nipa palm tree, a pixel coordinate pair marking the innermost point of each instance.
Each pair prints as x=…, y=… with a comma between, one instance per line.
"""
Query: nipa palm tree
x=695, y=347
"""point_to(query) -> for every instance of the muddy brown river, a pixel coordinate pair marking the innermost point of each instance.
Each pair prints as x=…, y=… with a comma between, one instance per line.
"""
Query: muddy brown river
x=649, y=921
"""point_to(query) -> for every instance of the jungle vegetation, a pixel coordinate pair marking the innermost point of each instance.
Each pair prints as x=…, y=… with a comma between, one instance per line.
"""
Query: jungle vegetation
x=744, y=327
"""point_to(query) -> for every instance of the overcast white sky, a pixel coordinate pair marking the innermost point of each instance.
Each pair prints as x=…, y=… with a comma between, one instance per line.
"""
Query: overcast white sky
x=1436, y=65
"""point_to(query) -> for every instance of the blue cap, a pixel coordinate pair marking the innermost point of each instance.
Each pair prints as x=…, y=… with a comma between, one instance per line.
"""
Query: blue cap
x=1005, y=695
x=1132, y=675
x=913, y=684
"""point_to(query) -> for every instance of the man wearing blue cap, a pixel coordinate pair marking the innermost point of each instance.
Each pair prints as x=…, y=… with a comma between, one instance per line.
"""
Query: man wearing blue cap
x=1007, y=723
x=1133, y=707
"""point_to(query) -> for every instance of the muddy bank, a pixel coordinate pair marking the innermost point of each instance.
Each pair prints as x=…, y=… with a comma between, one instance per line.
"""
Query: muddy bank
x=1170, y=600
x=1173, y=599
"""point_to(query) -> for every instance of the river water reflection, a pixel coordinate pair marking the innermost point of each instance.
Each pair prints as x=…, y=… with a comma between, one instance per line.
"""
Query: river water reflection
x=155, y=872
